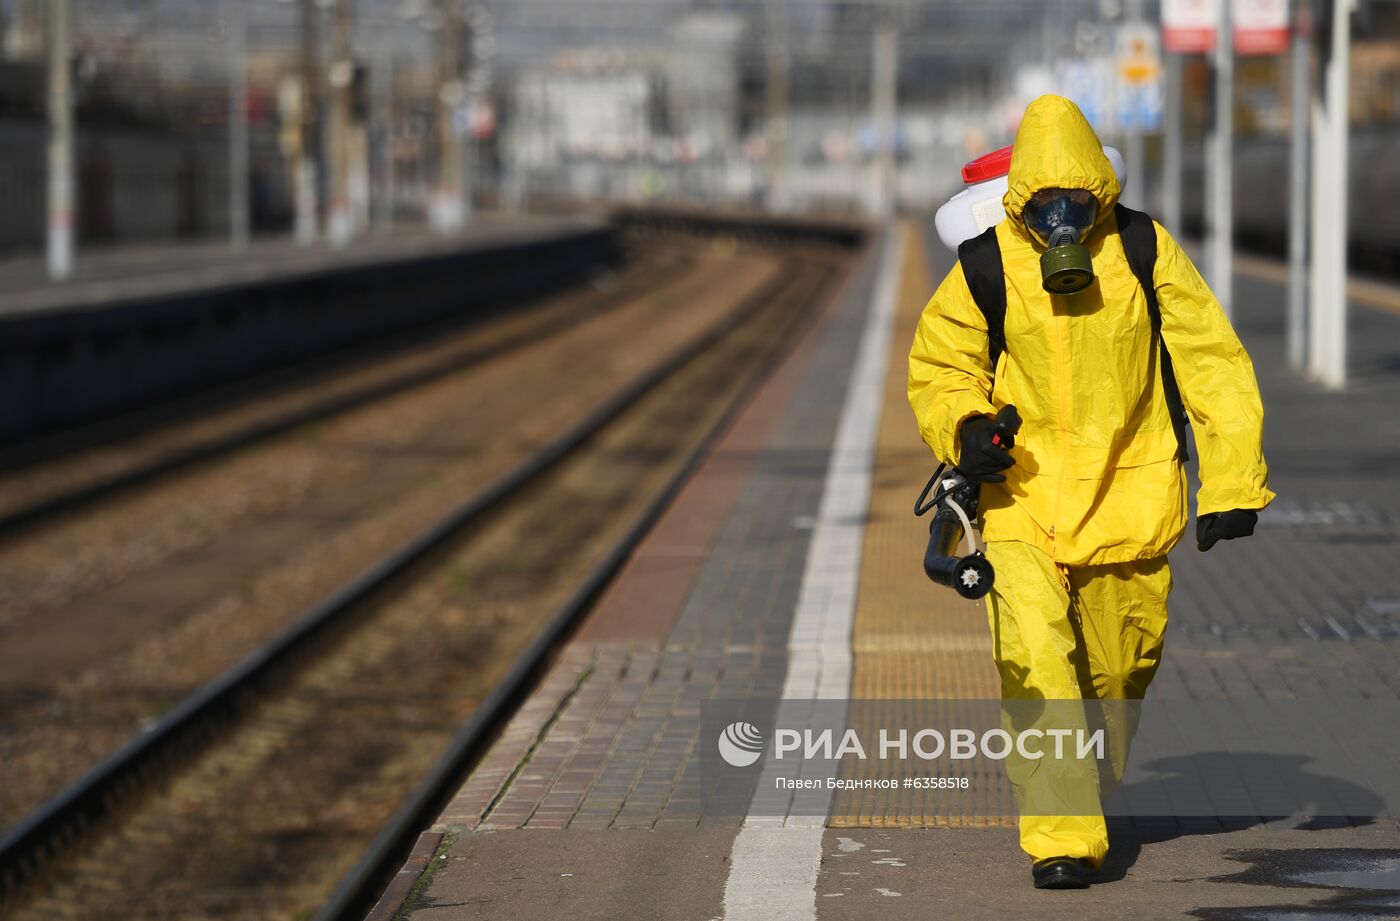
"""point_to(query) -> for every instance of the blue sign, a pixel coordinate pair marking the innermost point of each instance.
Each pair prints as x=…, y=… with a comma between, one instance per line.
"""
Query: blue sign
x=1088, y=82
x=1139, y=106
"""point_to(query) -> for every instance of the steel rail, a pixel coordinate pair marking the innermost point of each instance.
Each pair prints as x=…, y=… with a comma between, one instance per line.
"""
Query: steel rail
x=332, y=405
x=42, y=837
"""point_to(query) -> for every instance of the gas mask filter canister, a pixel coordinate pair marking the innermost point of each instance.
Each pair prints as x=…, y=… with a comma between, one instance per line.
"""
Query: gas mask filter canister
x=1061, y=218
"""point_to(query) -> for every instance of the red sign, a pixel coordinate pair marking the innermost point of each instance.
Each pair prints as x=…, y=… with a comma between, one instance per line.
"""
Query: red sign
x=1188, y=26
x=1261, y=26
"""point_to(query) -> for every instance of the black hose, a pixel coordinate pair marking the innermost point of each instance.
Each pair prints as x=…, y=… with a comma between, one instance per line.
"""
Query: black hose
x=970, y=576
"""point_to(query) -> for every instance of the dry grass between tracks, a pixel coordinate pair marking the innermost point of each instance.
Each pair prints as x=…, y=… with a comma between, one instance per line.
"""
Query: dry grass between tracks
x=264, y=822
x=114, y=612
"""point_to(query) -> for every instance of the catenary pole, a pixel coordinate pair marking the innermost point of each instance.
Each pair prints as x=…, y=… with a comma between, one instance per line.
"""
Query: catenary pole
x=882, y=111
x=776, y=105
x=1171, y=145
x=307, y=195
x=447, y=201
x=1300, y=110
x=1332, y=303
x=238, y=218
x=60, y=152
x=340, y=223
x=1221, y=200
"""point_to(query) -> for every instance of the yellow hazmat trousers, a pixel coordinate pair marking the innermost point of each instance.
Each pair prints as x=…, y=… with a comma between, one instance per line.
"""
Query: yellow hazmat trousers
x=1097, y=492
x=1070, y=634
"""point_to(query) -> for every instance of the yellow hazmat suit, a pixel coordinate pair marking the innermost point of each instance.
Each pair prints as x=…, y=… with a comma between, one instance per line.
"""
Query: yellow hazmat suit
x=1080, y=530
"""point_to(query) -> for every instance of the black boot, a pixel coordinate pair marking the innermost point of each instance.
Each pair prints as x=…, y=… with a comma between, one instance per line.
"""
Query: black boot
x=1060, y=873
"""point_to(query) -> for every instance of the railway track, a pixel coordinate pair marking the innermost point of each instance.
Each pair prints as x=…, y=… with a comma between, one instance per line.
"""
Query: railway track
x=114, y=613
x=135, y=448
x=345, y=732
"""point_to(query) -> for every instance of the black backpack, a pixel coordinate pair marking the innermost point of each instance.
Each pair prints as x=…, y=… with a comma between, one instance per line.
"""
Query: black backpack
x=980, y=258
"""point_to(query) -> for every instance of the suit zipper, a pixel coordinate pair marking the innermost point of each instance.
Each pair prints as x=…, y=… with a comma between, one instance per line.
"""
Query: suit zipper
x=1062, y=375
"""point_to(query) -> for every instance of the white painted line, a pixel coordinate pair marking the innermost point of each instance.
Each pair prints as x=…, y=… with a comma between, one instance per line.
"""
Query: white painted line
x=776, y=855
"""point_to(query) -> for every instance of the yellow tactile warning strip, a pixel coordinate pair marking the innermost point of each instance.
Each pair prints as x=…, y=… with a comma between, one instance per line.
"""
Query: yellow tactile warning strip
x=912, y=640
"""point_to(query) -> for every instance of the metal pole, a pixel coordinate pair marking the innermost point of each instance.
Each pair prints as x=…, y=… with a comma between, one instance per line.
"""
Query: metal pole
x=1136, y=153
x=1301, y=102
x=471, y=179
x=340, y=222
x=469, y=176
x=446, y=206
x=777, y=108
x=60, y=155
x=1334, y=343
x=388, y=112
x=1319, y=229
x=1136, y=163
x=238, y=218
x=1171, y=146
x=307, y=197
x=1221, y=211
x=884, y=88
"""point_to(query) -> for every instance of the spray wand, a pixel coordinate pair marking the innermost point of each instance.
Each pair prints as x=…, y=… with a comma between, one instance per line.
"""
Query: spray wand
x=955, y=498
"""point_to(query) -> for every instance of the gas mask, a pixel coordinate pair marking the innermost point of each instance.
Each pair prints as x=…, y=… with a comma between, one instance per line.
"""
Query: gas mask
x=1060, y=218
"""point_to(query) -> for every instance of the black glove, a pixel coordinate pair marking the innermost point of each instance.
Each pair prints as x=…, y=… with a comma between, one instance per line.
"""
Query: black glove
x=1238, y=522
x=982, y=461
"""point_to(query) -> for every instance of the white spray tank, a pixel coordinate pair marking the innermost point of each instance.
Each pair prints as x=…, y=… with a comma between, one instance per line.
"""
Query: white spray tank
x=978, y=206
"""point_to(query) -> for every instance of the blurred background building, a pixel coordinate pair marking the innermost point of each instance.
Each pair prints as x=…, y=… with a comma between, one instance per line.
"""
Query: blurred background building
x=365, y=114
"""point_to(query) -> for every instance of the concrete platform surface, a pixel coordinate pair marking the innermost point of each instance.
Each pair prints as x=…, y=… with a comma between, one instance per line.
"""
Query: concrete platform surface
x=789, y=568
x=916, y=873
x=670, y=873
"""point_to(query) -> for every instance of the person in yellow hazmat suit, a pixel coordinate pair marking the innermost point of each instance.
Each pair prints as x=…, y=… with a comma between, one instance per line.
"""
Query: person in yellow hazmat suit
x=1079, y=514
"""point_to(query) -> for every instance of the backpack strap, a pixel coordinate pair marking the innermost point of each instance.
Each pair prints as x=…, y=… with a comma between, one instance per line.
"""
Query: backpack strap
x=980, y=258
x=1140, y=246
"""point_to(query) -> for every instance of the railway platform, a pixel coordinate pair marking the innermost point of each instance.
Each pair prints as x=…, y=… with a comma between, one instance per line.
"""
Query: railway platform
x=114, y=275
x=788, y=569
x=139, y=326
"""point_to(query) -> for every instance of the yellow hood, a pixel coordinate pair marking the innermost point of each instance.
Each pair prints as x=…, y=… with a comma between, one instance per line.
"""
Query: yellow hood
x=1056, y=148
x=1097, y=479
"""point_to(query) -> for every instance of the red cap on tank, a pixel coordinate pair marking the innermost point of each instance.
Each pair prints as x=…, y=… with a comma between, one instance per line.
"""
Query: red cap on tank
x=988, y=166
